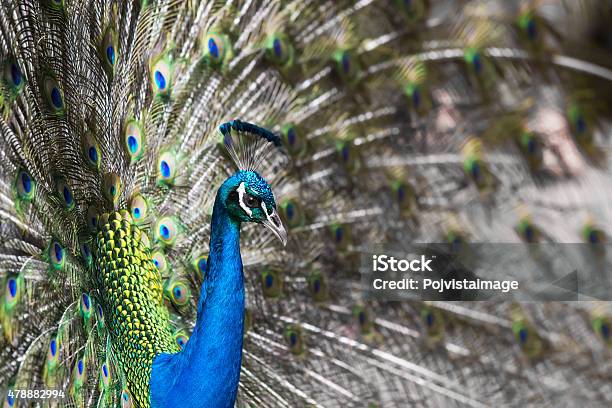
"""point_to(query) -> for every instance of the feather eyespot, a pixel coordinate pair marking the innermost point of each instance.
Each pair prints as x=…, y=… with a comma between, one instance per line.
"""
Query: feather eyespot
x=92, y=218
x=349, y=156
x=455, y=240
x=25, y=186
x=317, y=285
x=593, y=235
x=91, y=151
x=473, y=58
x=531, y=148
x=162, y=72
x=166, y=166
x=53, y=351
x=293, y=337
x=363, y=319
x=53, y=95
x=79, y=371
x=105, y=375
x=13, y=76
x=347, y=66
x=112, y=187
x=278, y=50
x=10, y=400
x=110, y=54
x=181, y=339
x=12, y=290
x=57, y=255
x=85, y=303
x=528, y=24
x=201, y=263
x=528, y=232
x=127, y=401
x=139, y=208
x=271, y=283
x=166, y=230
x=86, y=253
x=108, y=50
x=85, y=307
x=179, y=293
x=293, y=139
x=291, y=212
x=134, y=140
x=65, y=193
x=55, y=4
x=601, y=325
x=159, y=261
x=217, y=48
x=341, y=235
x=413, y=91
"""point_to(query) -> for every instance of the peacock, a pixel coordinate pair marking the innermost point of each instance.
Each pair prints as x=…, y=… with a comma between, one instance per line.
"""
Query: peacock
x=144, y=144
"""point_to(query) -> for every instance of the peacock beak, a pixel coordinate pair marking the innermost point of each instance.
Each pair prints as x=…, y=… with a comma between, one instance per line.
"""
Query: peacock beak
x=273, y=223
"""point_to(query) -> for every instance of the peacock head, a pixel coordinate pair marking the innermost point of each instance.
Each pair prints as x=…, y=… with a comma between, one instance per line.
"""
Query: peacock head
x=248, y=198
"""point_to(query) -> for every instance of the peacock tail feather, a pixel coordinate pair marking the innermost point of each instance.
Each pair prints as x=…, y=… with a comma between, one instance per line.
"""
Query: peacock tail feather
x=410, y=121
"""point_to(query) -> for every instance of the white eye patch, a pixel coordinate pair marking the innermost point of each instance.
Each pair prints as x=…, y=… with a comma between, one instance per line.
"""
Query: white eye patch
x=269, y=216
x=241, y=192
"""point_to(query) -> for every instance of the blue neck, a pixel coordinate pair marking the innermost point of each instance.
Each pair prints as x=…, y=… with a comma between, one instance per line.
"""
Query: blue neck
x=206, y=372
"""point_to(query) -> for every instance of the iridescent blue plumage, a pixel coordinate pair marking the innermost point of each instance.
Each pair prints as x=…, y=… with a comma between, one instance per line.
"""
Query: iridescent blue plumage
x=207, y=370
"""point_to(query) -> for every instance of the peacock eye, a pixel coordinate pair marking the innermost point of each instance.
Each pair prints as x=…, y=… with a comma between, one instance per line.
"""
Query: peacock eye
x=139, y=208
x=363, y=319
x=317, y=286
x=293, y=139
x=159, y=260
x=25, y=185
x=271, y=282
x=126, y=399
x=56, y=255
x=53, y=349
x=279, y=50
x=91, y=151
x=216, y=47
x=108, y=50
x=179, y=293
x=293, y=336
x=92, y=218
x=13, y=76
x=12, y=291
x=85, y=307
x=166, y=230
x=251, y=201
x=79, y=369
x=55, y=4
x=167, y=167
x=162, y=72
x=347, y=66
x=86, y=253
x=112, y=187
x=53, y=95
x=105, y=375
x=473, y=58
x=65, y=193
x=134, y=140
x=199, y=264
x=181, y=340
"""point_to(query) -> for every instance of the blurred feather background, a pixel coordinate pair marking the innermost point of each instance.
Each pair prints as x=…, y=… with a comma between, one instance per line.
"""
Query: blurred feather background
x=410, y=121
